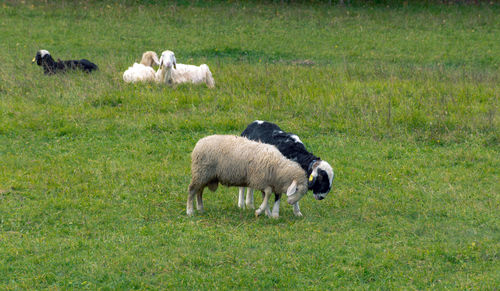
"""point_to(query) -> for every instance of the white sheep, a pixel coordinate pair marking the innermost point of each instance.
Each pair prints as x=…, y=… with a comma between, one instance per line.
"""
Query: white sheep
x=144, y=71
x=237, y=161
x=172, y=73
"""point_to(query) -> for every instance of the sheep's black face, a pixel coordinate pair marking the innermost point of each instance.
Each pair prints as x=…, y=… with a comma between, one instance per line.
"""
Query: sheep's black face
x=42, y=56
x=38, y=58
x=321, y=186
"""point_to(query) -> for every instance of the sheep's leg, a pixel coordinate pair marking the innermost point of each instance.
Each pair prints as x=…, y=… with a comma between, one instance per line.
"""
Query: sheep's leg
x=296, y=209
x=267, y=210
x=276, y=206
x=264, y=206
x=190, y=201
x=241, y=197
x=199, y=201
x=210, y=80
x=249, y=199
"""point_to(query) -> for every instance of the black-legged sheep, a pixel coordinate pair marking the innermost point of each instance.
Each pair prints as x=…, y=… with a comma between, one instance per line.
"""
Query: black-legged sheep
x=319, y=172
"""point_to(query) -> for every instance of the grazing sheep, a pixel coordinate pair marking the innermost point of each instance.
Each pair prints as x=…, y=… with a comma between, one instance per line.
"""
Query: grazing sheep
x=320, y=173
x=144, y=71
x=50, y=67
x=172, y=73
x=237, y=161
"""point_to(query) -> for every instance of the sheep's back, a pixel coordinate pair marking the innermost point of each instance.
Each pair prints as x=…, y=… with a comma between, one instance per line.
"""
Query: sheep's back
x=139, y=72
x=235, y=161
x=189, y=73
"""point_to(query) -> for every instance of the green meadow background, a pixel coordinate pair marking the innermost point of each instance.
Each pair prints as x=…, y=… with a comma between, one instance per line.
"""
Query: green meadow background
x=402, y=100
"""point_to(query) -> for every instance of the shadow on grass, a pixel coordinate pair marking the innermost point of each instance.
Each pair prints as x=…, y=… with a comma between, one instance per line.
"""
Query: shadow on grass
x=234, y=216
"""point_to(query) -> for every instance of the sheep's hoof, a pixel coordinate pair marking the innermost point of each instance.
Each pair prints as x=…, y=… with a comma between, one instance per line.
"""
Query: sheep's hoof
x=258, y=212
x=242, y=206
x=189, y=212
x=298, y=214
x=250, y=206
x=275, y=215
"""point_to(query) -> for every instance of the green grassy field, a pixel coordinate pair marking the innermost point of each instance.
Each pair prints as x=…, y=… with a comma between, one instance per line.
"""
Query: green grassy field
x=402, y=101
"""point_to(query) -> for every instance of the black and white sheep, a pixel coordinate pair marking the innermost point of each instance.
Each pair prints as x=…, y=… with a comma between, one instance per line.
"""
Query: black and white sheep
x=319, y=172
x=50, y=67
x=172, y=73
x=237, y=161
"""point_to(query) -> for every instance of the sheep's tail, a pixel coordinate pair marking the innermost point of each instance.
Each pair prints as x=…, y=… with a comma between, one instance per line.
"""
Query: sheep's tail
x=208, y=76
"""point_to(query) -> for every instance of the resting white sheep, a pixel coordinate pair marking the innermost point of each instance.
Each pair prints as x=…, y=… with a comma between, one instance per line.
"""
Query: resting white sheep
x=172, y=73
x=237, y=161
x=144, y=71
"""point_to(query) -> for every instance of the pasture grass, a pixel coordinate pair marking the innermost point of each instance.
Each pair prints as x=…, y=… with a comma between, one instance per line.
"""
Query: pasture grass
x=403, y=102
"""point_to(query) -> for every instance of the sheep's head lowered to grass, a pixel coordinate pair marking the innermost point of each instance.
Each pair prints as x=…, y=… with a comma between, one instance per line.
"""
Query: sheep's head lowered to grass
x=237, y=161
x=321, y=179
x=295, y=192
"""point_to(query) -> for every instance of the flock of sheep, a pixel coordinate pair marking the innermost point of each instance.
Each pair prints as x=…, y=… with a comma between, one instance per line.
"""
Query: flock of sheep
x=264, y=157
x=169, y=72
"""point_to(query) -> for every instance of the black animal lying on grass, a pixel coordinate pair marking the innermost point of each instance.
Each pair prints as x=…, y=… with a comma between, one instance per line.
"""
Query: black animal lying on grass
x=44, y=59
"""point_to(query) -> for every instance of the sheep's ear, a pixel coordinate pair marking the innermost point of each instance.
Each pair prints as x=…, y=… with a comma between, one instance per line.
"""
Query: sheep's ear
x=160, y=63
x=292, y=188
x=312, y=180
x=155, y=59
x=174, y=61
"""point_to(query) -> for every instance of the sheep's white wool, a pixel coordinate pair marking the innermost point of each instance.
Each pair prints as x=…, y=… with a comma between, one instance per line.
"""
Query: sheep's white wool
x=43, y=53
x=172, y=73
x=238, y=161
x=144, y=71
x=296, y=138
x=190, y=74
x=139, y=73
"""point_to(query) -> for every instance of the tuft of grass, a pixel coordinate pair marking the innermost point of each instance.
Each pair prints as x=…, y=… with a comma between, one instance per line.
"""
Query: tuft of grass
x=403, y=101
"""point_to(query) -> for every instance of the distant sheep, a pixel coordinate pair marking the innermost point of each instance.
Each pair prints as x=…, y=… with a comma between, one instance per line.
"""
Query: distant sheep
x=237, y=161
x=319, y=172
x=172, y=73
x=50, y=67
x=144, y=71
